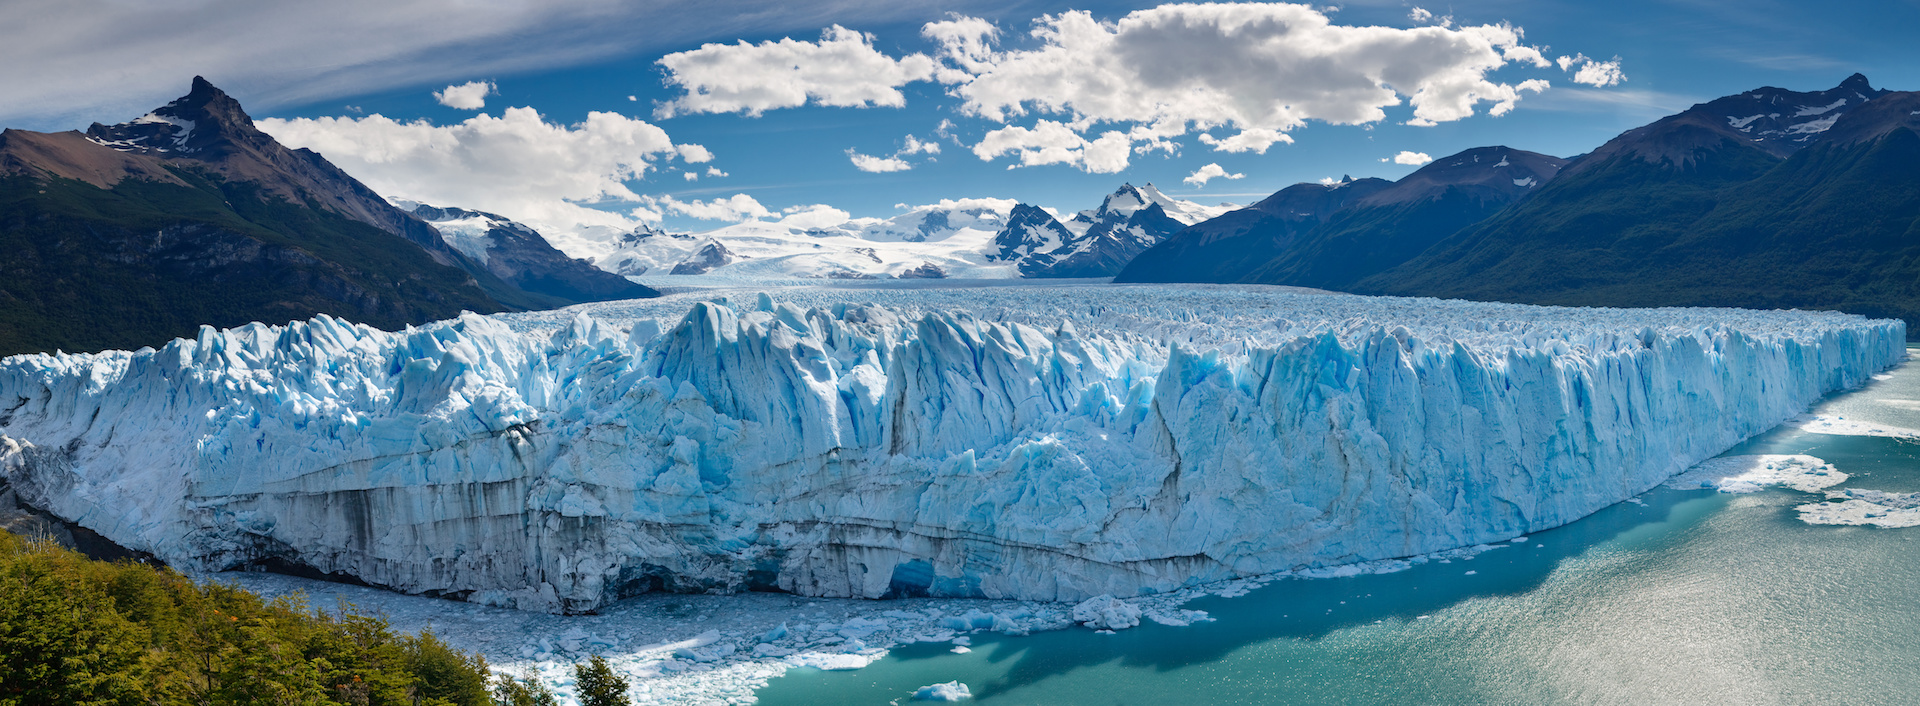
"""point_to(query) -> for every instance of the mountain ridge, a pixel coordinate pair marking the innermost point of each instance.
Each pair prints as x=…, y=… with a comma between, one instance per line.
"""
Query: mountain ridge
x=131, y=234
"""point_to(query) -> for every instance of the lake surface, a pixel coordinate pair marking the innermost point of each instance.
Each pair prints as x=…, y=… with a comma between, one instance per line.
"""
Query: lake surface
x=1680, y=596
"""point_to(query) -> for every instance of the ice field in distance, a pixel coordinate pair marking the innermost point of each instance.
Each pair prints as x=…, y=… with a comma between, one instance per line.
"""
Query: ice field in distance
x=1019, y=442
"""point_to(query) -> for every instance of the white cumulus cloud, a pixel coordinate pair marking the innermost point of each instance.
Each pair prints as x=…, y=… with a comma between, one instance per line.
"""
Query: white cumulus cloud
x=1253, y=140
x=733, y=209
x=1254, y=66
x=694, y=154
x=1258, y=70
x=915, y=146
x=897, y=163
x=1411, y=158
x=517, y=164
x=1208, y=173
x=1600, y=74
x=467, y=96
x=1053, y=142
x=870, y=163
x=814, y=216
x=842, y=69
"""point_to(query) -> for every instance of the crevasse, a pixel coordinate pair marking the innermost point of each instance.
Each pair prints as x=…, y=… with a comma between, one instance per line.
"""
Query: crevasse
x=1036, y=443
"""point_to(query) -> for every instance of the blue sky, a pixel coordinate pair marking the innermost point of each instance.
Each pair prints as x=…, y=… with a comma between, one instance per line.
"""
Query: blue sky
x=568, y=63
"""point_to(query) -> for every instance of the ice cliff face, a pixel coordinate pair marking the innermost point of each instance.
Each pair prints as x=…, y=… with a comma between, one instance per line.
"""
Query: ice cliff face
x=1043, y=443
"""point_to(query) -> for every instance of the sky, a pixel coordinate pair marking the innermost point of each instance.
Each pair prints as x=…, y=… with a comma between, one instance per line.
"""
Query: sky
x=591, y=117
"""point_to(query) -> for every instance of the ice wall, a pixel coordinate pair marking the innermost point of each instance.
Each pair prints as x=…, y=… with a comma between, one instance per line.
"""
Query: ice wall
x=1037, y=443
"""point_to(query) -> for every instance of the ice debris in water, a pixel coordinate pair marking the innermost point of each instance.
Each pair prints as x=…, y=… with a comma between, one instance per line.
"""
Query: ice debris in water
x=1048, y=443
x=950, y=691
x=1105, y=612
x=1864, y=507
x=1842, y=426
x=1750, y=474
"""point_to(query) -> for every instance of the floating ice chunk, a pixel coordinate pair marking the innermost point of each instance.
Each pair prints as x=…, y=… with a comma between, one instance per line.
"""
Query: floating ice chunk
x=834, y=661
x=1864, y=507
x=858, y=628
x=973, y=619
x=1842, y=426
x=776, y=634
x=1178, y=618
x=950, y=691
x=765, y=650
x=1750, y=474
x=961, y=649
x=1106, y=612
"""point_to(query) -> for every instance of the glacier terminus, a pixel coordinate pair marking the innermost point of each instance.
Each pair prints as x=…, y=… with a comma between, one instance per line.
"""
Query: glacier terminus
x=1032, y=442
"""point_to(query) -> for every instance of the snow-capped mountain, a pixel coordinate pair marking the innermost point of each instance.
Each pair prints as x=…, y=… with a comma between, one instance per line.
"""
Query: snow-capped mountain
x=1120, y=208
x=1127, y=223
x=1775, y=121
x=1783, y=121
x=952, y=236
x=965, y=238
x=520, y=255
x=1096, y=242
x=1030, y=234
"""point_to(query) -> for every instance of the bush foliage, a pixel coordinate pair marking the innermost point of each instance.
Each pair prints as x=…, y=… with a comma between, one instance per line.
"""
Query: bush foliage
x=78, y=631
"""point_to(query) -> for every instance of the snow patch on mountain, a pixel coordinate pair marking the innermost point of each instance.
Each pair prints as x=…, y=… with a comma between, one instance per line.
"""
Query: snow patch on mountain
x=963, y=238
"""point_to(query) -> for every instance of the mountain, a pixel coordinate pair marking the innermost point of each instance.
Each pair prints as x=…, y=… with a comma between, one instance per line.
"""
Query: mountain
x=1684, y=212
x=952, y=235
x=519, y=255
x=1330, y=236
x=1390, y=226
x=1029, y=238
x=1233, y=245
x=128, y=235
x=1128, y=222
x=1773, y=121
x=1097, y=242
x=962, y=238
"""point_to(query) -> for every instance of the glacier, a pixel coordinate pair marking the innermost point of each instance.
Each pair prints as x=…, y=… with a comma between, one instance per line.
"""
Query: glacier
x=1053, y=443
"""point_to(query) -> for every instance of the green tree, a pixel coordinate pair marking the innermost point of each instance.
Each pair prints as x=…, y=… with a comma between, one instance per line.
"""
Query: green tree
x=78, y=631
x=61, y=642
x=446, y=676
x=525, y=691
x=598, y=685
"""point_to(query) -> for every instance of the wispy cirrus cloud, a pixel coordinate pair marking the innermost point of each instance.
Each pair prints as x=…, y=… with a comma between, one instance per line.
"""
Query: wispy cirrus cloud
x=109, y=60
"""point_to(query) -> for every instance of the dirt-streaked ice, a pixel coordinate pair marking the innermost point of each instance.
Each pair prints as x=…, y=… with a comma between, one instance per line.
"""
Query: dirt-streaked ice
x=1046, y=443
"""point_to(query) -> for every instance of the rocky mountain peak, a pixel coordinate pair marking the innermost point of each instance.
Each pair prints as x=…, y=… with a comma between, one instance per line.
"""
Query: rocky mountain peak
x=1774, y=120
x=205, y=122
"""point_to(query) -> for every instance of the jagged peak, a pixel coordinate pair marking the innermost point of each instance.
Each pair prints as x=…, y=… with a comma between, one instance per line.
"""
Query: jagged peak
x=1858, y=82
x=205, y=101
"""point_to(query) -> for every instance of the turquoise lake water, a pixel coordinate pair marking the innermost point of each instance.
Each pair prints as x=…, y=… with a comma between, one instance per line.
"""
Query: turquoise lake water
x=1690, y=597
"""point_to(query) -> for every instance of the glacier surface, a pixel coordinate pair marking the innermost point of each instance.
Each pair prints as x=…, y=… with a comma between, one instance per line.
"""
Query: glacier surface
x=1039, y=443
